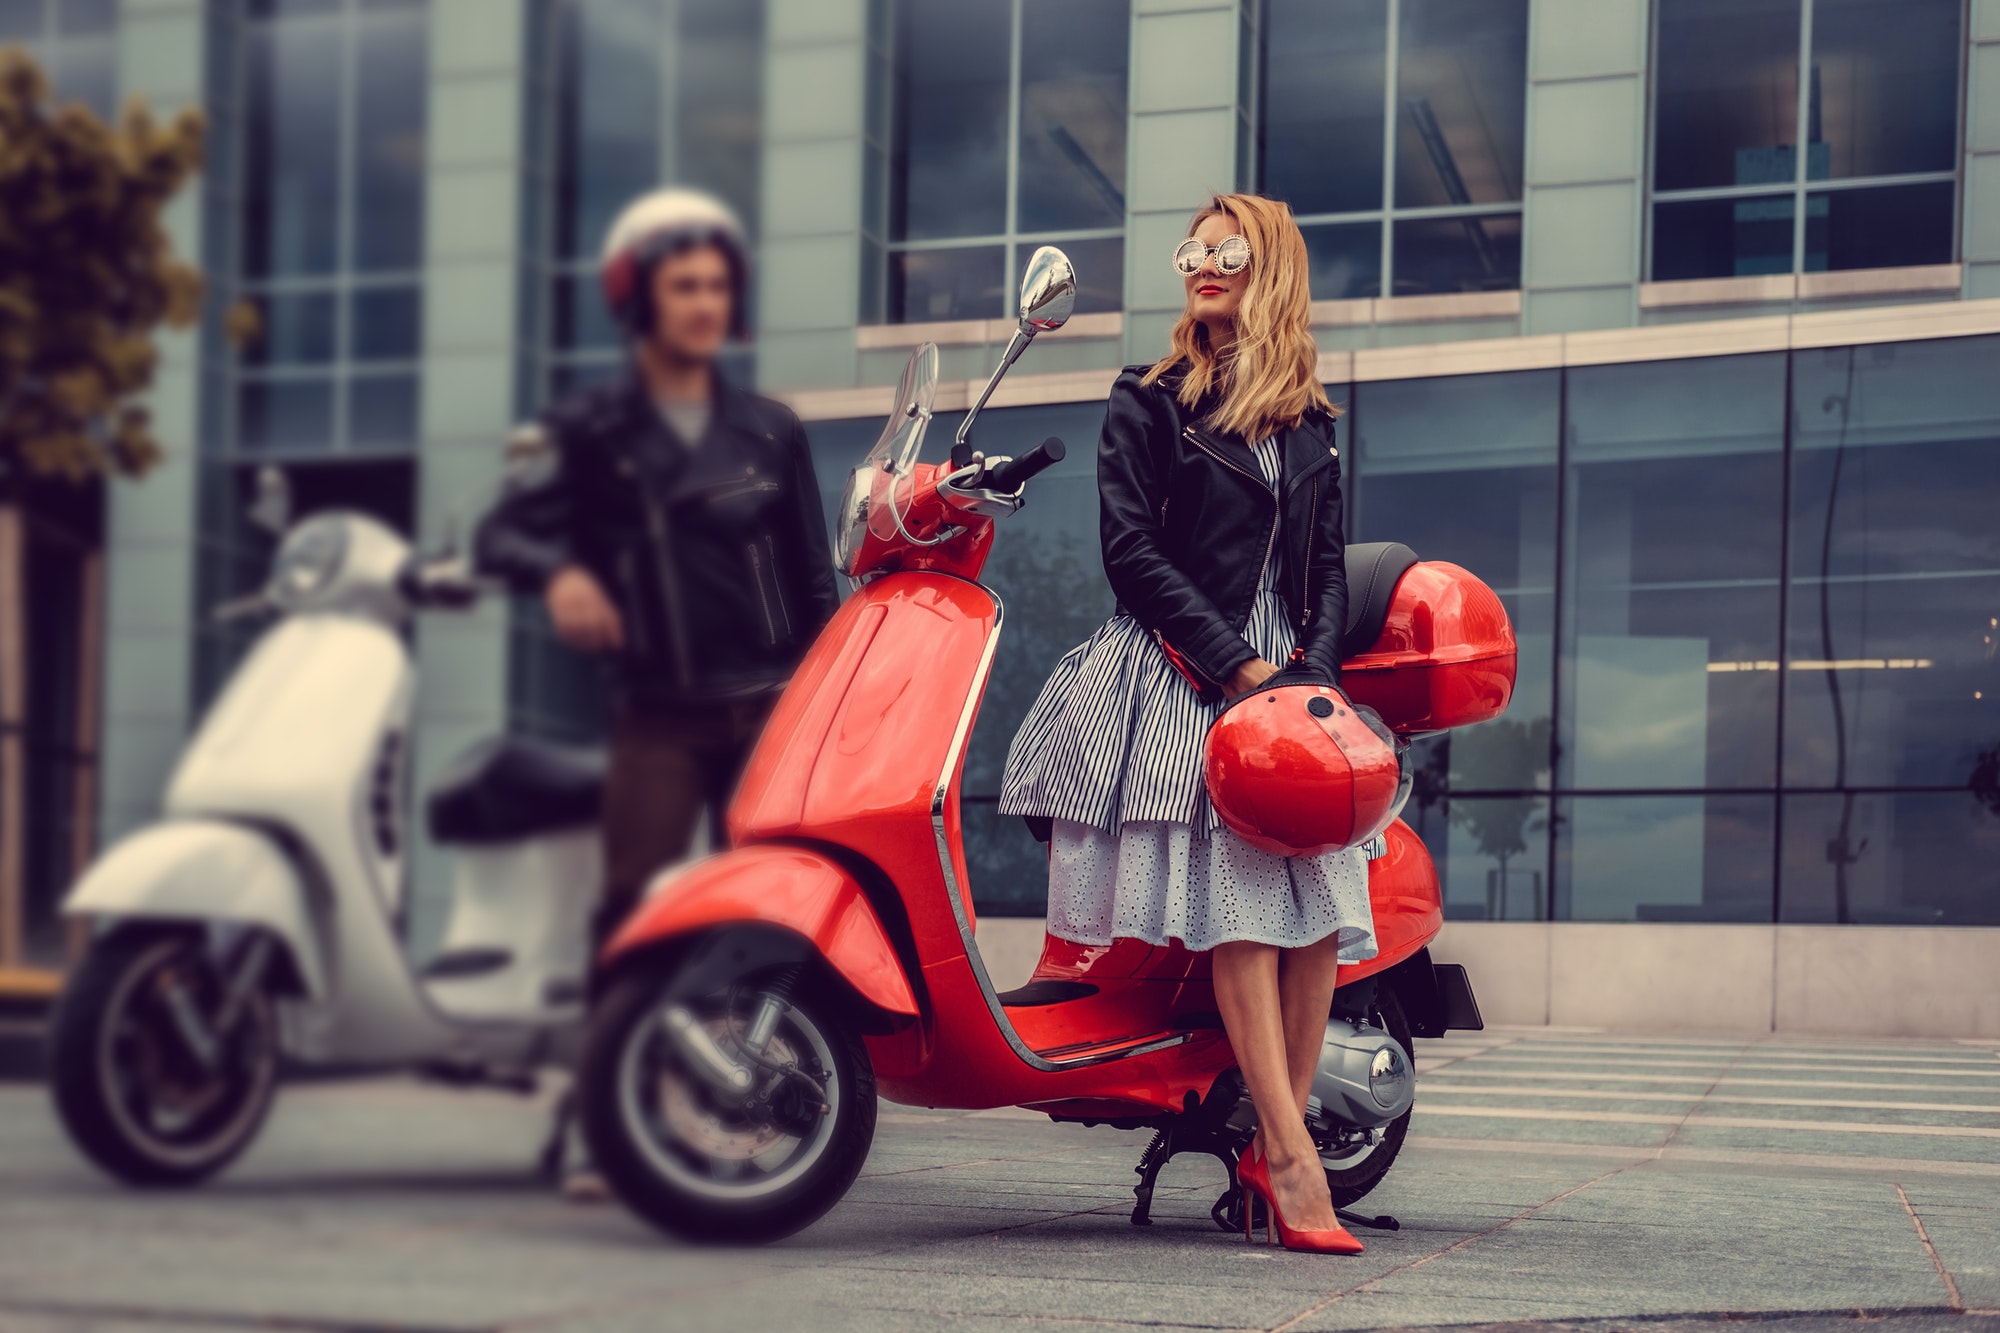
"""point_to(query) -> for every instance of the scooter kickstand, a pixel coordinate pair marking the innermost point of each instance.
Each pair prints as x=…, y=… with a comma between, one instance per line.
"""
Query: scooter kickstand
x=1380, y=1222
x=550, y=1163
x=1158, y=1153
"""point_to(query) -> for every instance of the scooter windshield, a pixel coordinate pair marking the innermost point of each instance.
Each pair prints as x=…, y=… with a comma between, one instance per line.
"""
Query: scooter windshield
x=872, y=504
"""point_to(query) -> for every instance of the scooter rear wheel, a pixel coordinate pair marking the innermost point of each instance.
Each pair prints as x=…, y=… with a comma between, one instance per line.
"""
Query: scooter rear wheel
x=703, y=1167
x=1352, y=1175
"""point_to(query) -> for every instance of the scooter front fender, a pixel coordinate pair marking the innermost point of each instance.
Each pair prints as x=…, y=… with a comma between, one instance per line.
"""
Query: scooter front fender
x=792, y=888
x=205, y=870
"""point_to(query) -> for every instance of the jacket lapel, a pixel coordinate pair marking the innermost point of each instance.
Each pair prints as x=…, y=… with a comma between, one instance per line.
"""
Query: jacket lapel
x=1307, y=449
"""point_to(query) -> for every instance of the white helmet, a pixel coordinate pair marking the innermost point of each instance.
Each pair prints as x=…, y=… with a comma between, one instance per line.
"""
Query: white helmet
x=658, y=224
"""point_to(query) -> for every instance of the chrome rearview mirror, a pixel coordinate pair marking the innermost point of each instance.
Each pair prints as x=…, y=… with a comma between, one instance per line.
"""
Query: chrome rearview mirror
x=1048, y=296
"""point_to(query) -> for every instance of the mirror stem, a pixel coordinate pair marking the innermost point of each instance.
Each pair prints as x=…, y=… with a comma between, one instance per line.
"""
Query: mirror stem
x=961, y=447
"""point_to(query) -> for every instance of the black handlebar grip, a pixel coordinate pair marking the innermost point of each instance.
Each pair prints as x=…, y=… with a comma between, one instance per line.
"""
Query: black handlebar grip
x=1011, y=474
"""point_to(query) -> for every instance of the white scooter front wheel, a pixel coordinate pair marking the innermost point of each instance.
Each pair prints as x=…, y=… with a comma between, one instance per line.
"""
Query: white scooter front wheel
x=143, y=1082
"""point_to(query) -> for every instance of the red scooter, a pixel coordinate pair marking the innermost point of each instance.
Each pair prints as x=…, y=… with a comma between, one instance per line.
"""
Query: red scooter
x=755, y=1005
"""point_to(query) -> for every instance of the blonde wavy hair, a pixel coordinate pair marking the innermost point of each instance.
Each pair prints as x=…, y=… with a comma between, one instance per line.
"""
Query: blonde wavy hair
x=1268, y=378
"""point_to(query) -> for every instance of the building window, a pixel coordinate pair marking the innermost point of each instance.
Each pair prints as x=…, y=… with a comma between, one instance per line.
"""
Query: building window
x=1870, y=87
x=76, y=44
x=1006, y=131
x=1394, y=129
x=332, y=226
x=646, y=92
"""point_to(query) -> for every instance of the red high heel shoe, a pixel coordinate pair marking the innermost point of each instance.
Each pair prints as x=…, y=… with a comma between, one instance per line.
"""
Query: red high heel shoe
x=1253, y=1175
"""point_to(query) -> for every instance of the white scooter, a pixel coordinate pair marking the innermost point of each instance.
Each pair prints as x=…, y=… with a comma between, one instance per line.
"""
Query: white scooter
x=260, y=918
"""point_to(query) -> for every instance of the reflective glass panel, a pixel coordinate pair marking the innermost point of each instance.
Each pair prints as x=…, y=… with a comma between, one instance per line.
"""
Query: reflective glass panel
x=1462, y=93
x=1434, y=255
x=947, y=284
x=1895, y=565
x=77, y=17
x=1100, y=271
x=85, y=69
x=950, y=155
x=1463, y=468
x=294, y=328
x=1008, y=867
x=1722, y=238
x=292, y=146
x=608, y=115
x=1895, y=858
x=392, y=79
x=1885, y=85
x=1889, y=227
x=1664, y=858
x=22, y=20
x=1675, y=503
x=285, y=415
x=382, y=412
x=385, y=323
x=580, y=319
x=570, y=377
x=1072, y=155
x=1726, y=90
x=1492, y=853
x=1345, y=259
x=1320, y=131
x=720, y=100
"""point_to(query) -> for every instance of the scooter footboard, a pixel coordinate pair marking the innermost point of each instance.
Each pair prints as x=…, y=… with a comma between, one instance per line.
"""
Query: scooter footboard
x=793, y=889
x=205, y=870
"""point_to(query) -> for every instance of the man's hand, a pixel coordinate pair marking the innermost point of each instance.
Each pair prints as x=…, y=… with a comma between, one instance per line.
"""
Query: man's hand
x=1250, y=677
x=584, y=617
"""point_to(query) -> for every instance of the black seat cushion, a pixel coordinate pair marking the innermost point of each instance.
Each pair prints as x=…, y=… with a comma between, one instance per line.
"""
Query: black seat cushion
x=1373, y=569
x=511, y=787
x=1050, y=990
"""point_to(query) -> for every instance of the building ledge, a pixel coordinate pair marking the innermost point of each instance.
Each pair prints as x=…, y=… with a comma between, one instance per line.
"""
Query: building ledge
x=1765, y=289
x=1417, y=309
x=979, y=332
x=1070, y=386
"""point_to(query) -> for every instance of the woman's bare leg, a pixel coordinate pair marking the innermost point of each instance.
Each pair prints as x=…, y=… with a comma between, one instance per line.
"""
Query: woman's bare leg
x=1306, y=980
x=1247, y=993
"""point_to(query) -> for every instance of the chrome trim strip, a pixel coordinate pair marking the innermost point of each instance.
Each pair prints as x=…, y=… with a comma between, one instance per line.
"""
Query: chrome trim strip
x=941, y=793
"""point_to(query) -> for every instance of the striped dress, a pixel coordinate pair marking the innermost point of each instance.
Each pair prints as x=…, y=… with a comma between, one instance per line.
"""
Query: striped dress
x=1111, y=754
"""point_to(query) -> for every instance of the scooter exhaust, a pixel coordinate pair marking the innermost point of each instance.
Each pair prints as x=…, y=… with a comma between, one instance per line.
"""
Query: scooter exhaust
x=1364, y=1078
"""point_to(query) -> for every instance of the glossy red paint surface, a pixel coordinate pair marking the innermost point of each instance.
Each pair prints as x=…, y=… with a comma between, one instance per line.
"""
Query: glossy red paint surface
x=1445, y=657
x=779, y=886
x=925, y=516
x=1297, y=783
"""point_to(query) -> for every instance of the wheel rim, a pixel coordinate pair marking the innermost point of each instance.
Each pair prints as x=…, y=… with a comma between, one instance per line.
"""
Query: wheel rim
x=163, y=1103
x=698, y=1143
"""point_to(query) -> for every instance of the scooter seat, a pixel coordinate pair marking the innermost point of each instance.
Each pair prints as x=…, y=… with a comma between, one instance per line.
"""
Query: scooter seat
x=510, y=787
x=1373, y=569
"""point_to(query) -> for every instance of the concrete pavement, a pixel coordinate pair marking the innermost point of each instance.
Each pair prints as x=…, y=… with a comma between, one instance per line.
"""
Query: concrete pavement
x=1572, y=1177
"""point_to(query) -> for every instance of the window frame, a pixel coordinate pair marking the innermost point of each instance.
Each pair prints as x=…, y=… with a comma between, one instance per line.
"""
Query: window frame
x=1802, y=188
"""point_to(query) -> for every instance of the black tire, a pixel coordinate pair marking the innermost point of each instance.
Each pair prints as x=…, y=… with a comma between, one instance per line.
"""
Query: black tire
x=1351, y=1184
x=111, y=1069
x=658, y=1175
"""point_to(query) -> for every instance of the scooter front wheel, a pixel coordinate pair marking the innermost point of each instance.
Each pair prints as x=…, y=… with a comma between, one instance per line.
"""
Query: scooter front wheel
x=142, y=1084
x=706, y=1161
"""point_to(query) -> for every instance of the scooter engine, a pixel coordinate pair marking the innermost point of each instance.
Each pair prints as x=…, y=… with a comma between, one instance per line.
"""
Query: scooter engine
x=1365, y=1079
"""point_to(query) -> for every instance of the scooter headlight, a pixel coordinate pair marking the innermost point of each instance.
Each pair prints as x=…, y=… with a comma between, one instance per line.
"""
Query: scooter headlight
x=307, y=561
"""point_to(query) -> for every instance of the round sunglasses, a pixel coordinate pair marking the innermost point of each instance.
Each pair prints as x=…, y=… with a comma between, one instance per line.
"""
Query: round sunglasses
x=1231, y=256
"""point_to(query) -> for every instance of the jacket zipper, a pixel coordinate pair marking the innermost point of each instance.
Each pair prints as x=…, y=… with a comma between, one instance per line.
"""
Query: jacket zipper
x=724, y=491
x=1277, y=504
x=777, y=584
x=1305, y=574
x=763, y=598
x=657, y=527
x=641, y=641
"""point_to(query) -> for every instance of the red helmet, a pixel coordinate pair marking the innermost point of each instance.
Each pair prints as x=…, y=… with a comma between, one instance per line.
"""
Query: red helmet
x=1298, y=770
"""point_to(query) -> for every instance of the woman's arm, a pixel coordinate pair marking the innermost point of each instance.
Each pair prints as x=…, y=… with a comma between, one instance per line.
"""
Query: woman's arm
x=1132, y=488
x=1326, y=584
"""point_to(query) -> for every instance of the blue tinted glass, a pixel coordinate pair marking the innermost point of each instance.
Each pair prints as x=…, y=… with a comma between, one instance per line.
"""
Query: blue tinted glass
x=294, y=328
x=1885, y=85
x=1895, y=858
x=1895, y=565
x=1462, y=87
x=1722, y=238
x=382, y=412
x=1009, y=869
x=1436, y=255
x=580, y=318
x=947, y=284
x=85, y=69
x=950, y=156
x=391, y=80
x=1664, y=858
x=1100, y=271
x=1492, y=853
x=385, y=323
x=22, y=20
x=1320, y=130
x=1464, y=469
x=1072, y=155
x=292, y=149
x=1672, y=568
x=1890, y=227
x=1726, y=79
x=608, y=115
x=78, y=17
x=719, y=100
x=1345, y=259
x=285, y=415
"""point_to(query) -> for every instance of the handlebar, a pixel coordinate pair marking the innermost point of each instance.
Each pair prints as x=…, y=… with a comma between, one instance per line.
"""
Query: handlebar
x=1014, y=472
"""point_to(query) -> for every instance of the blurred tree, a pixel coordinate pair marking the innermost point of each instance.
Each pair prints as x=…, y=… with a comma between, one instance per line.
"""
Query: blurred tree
x=87, y=274
x=1507, y=755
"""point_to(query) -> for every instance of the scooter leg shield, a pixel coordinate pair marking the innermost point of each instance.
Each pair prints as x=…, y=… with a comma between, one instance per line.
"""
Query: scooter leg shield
x=204, y=870
x=795, y=890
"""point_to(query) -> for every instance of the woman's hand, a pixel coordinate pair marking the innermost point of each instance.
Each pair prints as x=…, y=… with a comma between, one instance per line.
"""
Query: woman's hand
x=1249, y=678
x=584, y=617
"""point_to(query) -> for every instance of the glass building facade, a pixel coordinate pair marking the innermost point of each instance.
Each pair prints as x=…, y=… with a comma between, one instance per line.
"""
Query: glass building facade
x=1672, y=319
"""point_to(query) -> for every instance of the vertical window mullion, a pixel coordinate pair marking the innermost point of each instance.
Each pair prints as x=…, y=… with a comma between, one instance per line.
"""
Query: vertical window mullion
x=1801, y=150
x=343, y=252
x=1007, y=259
x=665, y=48
x=1391, y=85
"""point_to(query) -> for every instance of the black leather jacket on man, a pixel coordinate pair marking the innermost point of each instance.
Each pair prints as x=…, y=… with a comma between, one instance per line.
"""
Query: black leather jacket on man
x=716, y=555
x=1187, y=523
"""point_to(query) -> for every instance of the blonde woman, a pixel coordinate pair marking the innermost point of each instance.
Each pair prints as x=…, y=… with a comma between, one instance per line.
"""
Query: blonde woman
x=1220, y=517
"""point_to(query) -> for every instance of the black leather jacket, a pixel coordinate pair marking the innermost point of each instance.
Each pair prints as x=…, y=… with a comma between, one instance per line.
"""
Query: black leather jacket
x=717, y=555
x=1187, y=523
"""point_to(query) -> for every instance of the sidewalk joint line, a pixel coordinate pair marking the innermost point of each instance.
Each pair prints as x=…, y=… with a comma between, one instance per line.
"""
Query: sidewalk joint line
x=1950, y=1286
